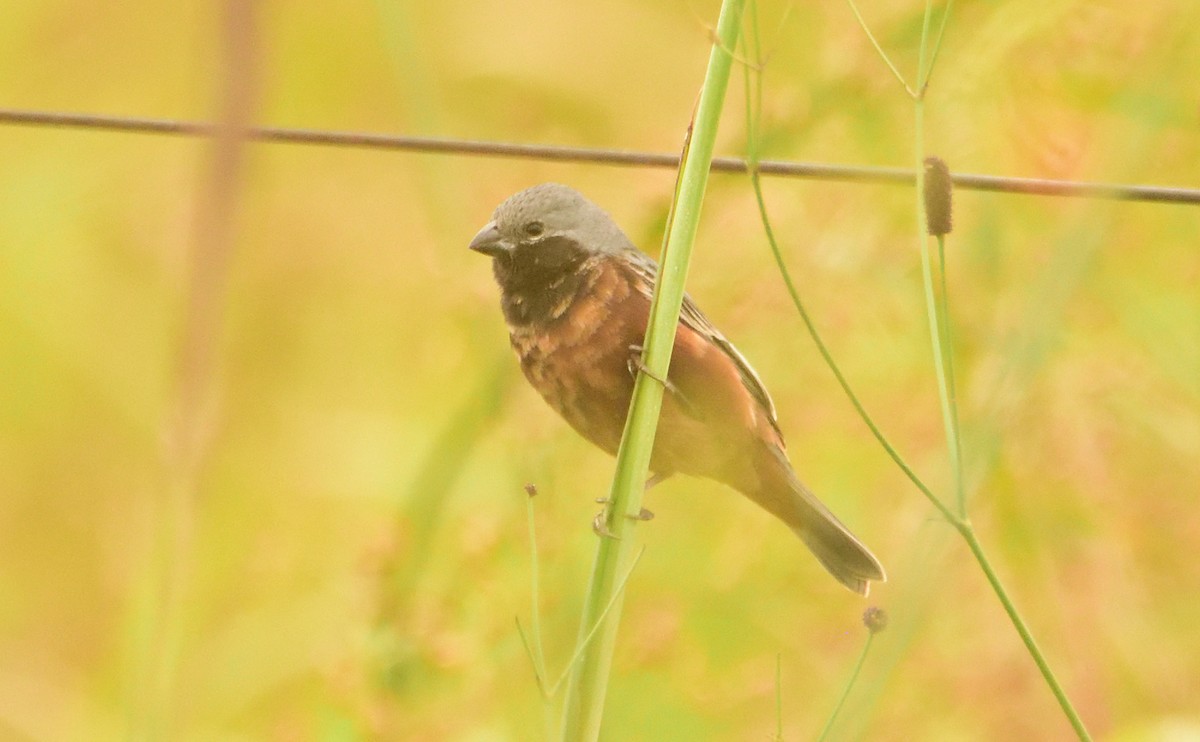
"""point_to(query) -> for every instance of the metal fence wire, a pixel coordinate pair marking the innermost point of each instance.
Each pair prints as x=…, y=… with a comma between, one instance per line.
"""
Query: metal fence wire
x=598, y=156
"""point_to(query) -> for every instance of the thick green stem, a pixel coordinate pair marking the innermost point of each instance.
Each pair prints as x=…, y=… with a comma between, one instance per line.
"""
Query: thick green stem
x=584, y=704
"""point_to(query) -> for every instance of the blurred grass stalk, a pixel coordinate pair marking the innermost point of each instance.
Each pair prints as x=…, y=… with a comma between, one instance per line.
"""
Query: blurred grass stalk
x=584, y=704
x=159, y=612
x=424, y=501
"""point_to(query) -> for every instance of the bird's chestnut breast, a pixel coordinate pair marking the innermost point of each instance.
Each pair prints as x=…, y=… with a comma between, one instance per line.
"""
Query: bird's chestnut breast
x=576, y=354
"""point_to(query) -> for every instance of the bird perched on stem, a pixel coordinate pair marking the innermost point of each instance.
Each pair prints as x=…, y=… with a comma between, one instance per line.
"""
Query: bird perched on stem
x=576, y=296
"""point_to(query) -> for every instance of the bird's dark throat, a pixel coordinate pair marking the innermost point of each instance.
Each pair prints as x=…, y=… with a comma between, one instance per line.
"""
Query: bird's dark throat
x=538, y=280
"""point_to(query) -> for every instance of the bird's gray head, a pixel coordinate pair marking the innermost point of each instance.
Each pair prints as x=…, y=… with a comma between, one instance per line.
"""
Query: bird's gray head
x=541, y=241
x=547, y=226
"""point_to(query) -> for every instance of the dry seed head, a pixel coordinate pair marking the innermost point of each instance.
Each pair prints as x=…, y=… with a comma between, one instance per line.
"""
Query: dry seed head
x=875, y=619
x=938, y=200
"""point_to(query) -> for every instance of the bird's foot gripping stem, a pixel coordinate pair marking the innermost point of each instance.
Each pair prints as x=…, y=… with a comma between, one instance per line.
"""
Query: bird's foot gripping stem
x=635, y=366
x=600, y=522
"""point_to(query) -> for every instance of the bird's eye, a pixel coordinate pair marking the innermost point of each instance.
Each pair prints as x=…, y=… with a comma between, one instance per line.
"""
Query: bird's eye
x=534, y=228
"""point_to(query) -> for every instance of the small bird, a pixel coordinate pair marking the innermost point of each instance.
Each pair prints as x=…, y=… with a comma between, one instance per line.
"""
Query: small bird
x=575, y=292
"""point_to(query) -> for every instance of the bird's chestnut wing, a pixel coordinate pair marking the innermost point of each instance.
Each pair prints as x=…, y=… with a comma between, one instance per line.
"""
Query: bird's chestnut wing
x=691, y=316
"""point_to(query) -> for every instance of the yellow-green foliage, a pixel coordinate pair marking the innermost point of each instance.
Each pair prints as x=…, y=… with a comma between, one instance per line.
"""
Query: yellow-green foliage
x=352, y=544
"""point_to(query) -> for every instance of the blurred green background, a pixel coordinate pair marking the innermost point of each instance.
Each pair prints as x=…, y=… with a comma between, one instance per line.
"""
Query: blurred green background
x=346, y=557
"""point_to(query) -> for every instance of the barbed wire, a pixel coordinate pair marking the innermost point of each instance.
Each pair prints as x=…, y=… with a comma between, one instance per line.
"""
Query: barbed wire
x=616, y=157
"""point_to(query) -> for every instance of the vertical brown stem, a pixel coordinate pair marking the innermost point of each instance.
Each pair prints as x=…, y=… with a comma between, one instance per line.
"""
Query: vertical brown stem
x=191, y=410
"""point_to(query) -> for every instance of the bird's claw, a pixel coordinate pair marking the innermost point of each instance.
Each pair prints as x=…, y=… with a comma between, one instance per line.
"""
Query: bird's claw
x=635, y=366
x=600, y=522
x=600, y=525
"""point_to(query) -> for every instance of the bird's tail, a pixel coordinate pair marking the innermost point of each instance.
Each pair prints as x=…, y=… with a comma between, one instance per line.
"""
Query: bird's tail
x=838, y=550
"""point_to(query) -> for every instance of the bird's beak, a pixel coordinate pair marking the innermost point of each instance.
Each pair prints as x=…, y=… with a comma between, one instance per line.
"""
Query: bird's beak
x=489, y=242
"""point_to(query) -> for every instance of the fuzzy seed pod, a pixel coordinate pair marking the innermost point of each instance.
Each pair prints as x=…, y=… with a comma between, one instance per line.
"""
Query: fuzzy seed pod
x=938, y=201
x=875, y=619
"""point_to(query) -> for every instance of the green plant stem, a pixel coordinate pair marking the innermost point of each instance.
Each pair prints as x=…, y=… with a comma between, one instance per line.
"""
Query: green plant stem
x=797, y=302
x=753, y=114
x=584, y=703
x=778, y=698
x=882, y=54
x=952, y=391
x=931, y=307
x=537, y=656
x=862, y=657
x=535, y=621
x=967, y=531
x=961, y=524
x=949, y=410
x=926, y=73
x=549, y=692
x=943, y=364
x=931, y=312
x=580, y=646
